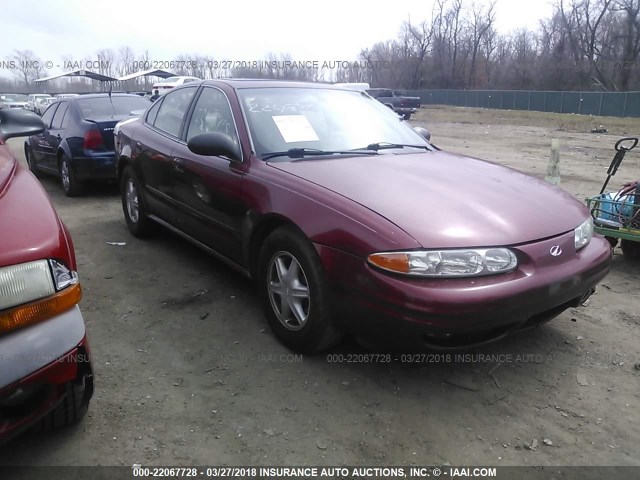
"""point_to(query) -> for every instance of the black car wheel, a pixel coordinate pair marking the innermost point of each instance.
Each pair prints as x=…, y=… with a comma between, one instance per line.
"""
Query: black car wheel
x=74, y=406
x=613, y=241
x=70, y=184
x=28, y=155
x=135, y=212
x=294, y=292
x=630, y=249
x=407, y=116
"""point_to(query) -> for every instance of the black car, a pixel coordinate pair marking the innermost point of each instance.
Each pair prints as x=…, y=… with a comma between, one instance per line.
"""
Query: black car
x=77, y=143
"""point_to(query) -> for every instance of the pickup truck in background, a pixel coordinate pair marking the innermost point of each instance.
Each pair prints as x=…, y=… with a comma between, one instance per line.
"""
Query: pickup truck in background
x=404, y=106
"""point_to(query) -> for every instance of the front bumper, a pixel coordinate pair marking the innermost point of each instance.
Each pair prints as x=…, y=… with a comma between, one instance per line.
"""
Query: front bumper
x=452, y=313
x=36, y=363
x=405, y=110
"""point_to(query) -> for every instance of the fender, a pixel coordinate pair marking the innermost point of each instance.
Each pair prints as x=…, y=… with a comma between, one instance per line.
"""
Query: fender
x=124, y=156
x=64, y=148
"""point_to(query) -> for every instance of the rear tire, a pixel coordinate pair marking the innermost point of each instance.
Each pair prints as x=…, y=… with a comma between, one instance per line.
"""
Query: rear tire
x=28, y=155
x=133, y=206
x=70, y=184
x=407, y=116
x=631, y=250
x=295, y=293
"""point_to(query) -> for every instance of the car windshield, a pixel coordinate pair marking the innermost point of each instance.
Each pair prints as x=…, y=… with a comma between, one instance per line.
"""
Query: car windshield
x=14, y=97
x=322, y=120
x=107, y=107
x=170, y=80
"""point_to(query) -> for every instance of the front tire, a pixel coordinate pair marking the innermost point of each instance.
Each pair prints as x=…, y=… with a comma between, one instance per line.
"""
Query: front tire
x=613, y=241
x=133, y=206
x=294, y=292
x=407, y=116
x=630, y=250
x=72, y=409
x=70, y=184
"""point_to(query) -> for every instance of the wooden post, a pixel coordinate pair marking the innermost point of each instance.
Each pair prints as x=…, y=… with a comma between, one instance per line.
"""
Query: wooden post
x=553, y=168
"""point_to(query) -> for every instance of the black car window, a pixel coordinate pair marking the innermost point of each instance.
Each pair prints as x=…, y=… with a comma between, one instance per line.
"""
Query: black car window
x=117, y=105
x=153, y=112
x=66, y=118
x=212, y=114
x=56, y=123
x=173, y=109
x=47, y=116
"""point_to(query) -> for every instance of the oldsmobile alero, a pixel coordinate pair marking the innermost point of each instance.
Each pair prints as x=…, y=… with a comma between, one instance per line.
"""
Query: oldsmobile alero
x=351, y=221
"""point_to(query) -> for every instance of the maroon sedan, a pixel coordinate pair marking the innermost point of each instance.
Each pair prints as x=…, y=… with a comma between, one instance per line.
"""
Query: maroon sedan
x=45, y=371
x=350, y=220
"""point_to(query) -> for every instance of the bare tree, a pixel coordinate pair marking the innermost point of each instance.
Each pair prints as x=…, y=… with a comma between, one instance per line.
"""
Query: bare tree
x=481, y=22
x=28, y=66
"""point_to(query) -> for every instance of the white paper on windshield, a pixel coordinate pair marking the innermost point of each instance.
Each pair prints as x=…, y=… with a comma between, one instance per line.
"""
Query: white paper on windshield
x=295, y=128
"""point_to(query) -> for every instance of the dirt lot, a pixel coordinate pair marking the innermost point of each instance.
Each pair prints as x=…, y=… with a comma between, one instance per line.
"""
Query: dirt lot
x=188, y=372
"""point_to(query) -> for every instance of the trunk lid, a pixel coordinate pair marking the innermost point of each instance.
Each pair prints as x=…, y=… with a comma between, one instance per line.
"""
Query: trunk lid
x=106, y=125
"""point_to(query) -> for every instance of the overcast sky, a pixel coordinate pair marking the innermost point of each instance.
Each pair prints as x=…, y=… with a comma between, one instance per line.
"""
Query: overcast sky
x=236, y=30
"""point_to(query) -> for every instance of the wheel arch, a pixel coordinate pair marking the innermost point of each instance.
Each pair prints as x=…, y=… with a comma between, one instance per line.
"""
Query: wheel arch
x=63, y=149
x=259, y=228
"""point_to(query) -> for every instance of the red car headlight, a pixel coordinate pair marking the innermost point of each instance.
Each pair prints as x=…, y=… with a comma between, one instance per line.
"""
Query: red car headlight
x=34, y=291
x=447, y=263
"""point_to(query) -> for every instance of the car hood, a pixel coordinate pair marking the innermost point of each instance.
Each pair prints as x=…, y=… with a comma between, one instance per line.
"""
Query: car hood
x=30, y=229
x=448, y=200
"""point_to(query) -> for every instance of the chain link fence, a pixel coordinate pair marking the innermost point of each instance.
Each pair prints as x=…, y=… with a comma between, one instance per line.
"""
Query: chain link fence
x=613, y=104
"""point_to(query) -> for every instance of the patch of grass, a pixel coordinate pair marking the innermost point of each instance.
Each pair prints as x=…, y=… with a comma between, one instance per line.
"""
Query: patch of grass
x=558, y=121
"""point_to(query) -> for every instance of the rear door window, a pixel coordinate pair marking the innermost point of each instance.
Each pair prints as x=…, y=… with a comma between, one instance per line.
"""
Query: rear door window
x=173, y=109
x=56, y=124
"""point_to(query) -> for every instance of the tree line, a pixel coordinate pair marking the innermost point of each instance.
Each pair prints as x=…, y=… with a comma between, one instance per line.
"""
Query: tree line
x=583, y=45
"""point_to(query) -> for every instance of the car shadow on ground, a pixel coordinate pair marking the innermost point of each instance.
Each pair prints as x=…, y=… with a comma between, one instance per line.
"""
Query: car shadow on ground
x=92, y=189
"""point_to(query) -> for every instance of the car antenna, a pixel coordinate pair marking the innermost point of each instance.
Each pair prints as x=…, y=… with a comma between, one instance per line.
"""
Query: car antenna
x=110, y=99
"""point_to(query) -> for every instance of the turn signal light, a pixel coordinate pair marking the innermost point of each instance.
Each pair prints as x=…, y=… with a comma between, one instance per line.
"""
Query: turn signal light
x=395, y=262
x=40, y=310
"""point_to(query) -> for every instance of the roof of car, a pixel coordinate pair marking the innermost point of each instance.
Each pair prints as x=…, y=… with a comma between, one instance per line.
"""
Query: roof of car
x=239, y=83
x=100, y=95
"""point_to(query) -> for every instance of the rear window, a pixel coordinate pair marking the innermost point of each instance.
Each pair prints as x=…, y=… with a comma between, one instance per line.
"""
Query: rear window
x=105, y=107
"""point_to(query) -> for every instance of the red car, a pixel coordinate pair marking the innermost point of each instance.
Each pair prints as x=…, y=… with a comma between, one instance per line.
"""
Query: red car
x=46, y=378
x=351, y=221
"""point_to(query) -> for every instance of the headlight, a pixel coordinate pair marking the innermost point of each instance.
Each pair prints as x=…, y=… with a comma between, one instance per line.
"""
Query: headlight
x=447, y=263
x=583, y=233
x=34, y=291
x=24, y=283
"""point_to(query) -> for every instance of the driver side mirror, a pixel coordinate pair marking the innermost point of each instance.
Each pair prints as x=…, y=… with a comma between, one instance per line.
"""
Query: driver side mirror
x=17, y=122
x=214, y=144
x=423, y=132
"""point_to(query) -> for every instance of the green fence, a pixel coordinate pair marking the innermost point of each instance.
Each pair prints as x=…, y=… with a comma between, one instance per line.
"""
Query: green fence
x=613, y=104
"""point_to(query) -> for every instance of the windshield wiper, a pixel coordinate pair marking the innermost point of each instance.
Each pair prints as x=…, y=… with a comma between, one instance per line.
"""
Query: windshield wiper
x=306, y=152
x=386, y=145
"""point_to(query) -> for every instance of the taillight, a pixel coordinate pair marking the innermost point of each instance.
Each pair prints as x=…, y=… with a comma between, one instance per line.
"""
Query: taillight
x=93, y=140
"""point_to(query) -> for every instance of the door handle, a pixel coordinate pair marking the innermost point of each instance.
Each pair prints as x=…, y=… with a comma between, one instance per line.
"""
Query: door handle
x=178, y=165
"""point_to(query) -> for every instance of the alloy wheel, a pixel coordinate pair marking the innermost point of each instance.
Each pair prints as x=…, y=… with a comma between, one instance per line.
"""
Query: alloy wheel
x=131, y=199
x=288, y=290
